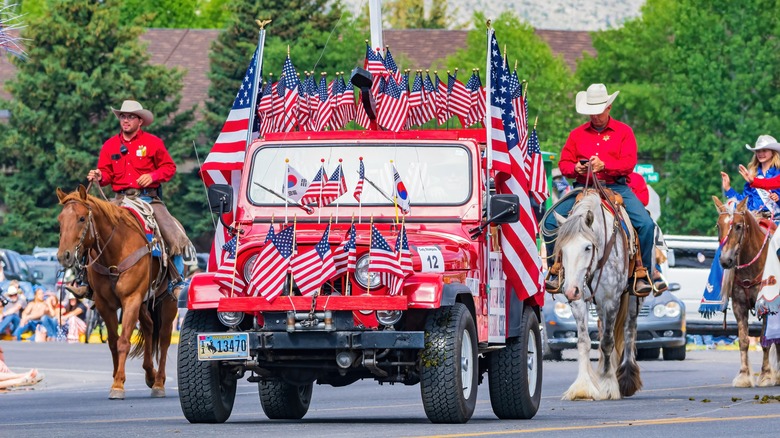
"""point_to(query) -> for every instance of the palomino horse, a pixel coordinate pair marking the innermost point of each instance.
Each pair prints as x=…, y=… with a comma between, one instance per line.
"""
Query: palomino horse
x=594, y=257
x=744, y=249
x=98, y=234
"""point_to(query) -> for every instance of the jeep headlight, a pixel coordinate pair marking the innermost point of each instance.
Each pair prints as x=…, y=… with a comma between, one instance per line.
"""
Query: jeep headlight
x=230, y=319
x=250, y=263
x=362, y=276
x=562, y=310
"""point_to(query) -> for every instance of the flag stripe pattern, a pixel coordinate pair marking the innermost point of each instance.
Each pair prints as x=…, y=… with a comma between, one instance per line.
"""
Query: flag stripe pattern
x=538, y=181
x=226, y=276
x=335, y=187
x=361, y=180
x=314, y=192
x=270, y=268
x=345, y=256
x=521, y=261
x=314, y=267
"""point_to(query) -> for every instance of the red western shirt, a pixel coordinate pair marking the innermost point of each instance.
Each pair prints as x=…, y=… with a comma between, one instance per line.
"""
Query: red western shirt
x=146, y=153
x=615, y=145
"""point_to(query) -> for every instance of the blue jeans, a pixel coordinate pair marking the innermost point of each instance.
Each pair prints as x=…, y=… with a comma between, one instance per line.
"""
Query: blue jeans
x=640, y=219
x=30, y=326
x=9, y=322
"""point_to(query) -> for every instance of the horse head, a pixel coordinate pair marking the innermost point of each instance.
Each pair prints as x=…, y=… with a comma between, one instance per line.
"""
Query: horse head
x=579, y=245
x=77, y=227
x=733, y=226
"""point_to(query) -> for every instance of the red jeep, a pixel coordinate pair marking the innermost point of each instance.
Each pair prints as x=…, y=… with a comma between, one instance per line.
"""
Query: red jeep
x=452, y=321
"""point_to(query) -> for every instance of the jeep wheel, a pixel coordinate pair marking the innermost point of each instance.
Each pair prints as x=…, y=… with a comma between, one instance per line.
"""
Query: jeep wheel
x=674, y=353
x=648, y=353
x=207, y=389
x=515, y=374
x=448, y=378
x=283, y=401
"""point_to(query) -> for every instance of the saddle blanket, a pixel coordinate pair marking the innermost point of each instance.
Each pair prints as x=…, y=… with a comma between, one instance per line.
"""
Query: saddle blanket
x=768, y=300
x=712, y=299
x=148, y=230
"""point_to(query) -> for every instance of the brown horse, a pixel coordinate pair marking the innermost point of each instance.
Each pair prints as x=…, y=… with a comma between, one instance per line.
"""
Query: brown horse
x=744, y=249
x=97, y=234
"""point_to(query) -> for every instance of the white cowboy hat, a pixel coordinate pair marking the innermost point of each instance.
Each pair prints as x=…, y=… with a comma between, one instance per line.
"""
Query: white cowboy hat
x=133, y=107
x=595, y=100
x=12, y=290
x=765, y=142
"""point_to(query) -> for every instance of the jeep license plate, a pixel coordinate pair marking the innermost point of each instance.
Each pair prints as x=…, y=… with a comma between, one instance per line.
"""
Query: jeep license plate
x=222, y=346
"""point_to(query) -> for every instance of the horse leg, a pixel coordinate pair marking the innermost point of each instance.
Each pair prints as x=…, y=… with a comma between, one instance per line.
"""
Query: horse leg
x=130, y=307
x=628, y=373
x=776, y=363
x=584, y=387
x=147, y=327
x=108, y=314
x=168, y=309
x=744, y=379
x=608, y=382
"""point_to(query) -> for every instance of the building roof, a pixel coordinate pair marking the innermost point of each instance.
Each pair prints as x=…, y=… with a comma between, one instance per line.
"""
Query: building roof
x=189, y=49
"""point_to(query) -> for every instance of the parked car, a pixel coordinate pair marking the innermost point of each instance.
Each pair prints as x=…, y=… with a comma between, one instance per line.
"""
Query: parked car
x=15, y=268
x=46, y=273
x=46, y=254
x=660, y=325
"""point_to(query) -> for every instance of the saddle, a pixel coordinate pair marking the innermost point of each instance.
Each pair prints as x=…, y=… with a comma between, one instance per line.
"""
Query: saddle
x=144, y=213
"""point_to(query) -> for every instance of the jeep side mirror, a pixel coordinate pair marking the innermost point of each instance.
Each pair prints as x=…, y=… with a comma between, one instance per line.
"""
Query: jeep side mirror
x=505, y=209
x=362, y=80
x=220, y=198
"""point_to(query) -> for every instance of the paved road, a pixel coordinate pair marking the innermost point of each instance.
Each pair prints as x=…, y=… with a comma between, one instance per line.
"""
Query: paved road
x=689, y=398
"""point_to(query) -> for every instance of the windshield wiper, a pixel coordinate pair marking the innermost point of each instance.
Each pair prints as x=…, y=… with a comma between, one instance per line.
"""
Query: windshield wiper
x=289, y=201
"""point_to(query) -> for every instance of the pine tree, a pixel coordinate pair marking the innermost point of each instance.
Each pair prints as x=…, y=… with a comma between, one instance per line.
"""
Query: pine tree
x=82, y=60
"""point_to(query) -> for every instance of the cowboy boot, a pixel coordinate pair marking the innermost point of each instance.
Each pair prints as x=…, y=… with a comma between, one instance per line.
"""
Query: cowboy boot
x=552, y=284
x=642, y=286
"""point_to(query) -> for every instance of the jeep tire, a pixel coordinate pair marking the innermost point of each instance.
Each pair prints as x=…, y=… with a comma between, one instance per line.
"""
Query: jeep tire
x=283, y=401
x=674, y=353
x=449, y=368
x=207, y=390
x=515, y=373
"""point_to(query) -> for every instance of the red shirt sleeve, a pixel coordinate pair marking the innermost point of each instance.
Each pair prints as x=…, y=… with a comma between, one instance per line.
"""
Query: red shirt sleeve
x=766, y=183
x=104, y=162
x=166, y=168
x=639, y=187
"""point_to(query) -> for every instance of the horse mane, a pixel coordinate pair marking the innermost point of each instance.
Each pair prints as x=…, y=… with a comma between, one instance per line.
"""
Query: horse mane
x=576, y=225
x=110, y=212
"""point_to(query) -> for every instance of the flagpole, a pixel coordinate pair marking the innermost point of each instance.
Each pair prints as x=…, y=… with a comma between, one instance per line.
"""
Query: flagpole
x=258, y=69
x=395, y=193
x=284, y=186
x=294, y=250
x=341, y=171
x=368, y=269
x=347, y=282
x=360, y=201
x=489, y=139
x=323, y=181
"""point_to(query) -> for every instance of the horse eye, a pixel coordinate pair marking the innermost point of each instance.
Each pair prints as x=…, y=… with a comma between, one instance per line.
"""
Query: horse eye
x=589, y=248
x=82, y=219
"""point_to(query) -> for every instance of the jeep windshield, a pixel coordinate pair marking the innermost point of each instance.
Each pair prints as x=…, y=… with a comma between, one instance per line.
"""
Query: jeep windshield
x=432, y=174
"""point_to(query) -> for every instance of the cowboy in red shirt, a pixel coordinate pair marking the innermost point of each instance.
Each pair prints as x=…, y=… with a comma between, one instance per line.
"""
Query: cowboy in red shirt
x=135, y=162
x=609, y=148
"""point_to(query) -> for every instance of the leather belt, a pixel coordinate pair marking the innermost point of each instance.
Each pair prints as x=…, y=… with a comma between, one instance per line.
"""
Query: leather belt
x=151, y=192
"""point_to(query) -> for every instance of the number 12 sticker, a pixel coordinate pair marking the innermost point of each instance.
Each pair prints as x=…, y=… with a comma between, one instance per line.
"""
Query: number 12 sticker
x=431, y=259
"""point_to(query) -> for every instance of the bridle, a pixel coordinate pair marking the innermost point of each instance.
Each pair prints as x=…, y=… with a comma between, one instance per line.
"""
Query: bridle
x=79, y=259
x=741, y=236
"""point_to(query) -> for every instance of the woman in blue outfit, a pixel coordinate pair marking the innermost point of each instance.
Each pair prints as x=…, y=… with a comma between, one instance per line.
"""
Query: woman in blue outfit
x=765, y=164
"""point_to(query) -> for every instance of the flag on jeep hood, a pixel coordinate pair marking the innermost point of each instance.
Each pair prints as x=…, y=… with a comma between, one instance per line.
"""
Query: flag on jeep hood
x=270, y=268
x=314, y=267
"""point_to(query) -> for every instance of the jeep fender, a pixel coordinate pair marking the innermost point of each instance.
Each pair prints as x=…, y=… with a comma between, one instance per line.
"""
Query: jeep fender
x=428, y=291
x=202, y=293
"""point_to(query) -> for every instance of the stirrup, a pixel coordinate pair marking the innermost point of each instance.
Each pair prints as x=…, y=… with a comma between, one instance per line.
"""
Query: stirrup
x=552, y=281
x=659, y=287
x=642, y=284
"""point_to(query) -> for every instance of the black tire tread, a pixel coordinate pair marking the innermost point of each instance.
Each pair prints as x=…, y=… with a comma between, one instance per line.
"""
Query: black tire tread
x=439, y=379
x=674, y=353
x=281, y=400
x=199, y=393
x=508, y=379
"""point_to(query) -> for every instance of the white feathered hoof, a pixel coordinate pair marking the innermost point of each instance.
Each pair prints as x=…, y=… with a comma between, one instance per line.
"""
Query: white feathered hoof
x=581, y=389
x=743, y=380
x=610, y=389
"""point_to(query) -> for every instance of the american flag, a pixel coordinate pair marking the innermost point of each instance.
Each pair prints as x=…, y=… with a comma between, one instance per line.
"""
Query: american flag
x=291, y=82
x=265, y=109
x=270, y=234
x=520, y=109
x=345, y=256
x=271, y=266
x=395, y=283
x=325, y=109
x=314, y=267
x=382, y=259
x=458, y=98
x=224, y=163
x=395, y=107
x=534, y=164
x=521, y=262
x=416, y=101
x=226, y=276
x=313, y=95
x=429, y=99
x=278, y=108
x=391, y=66
x=347, y=101
x=374, y=62
x=361, y=180
x=477, y=110
x=304, y=107
x=337, y=89
x=335, y=187
x=442, y=110
x=316, y=186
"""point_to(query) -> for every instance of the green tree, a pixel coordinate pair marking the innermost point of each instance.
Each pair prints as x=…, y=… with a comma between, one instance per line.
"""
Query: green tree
x=550, y=81
x=698, y=80
x=411, y=14
x=82, y=60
